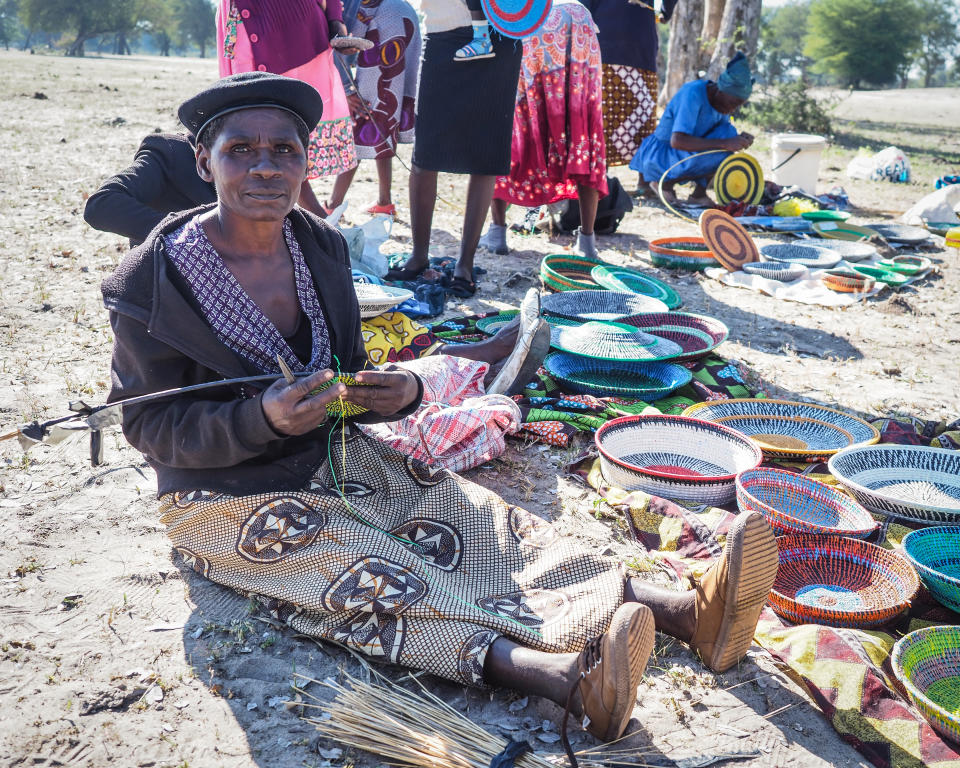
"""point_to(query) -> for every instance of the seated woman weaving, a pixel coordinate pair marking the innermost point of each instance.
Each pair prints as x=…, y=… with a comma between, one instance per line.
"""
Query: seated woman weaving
x=340, y=536
x=697, y=119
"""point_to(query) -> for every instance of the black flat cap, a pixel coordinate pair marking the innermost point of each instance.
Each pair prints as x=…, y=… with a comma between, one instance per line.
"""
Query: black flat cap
x=250, y=90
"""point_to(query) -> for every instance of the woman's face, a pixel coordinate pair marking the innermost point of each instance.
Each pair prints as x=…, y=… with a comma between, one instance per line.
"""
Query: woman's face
x=257, y=163
x=726, y=103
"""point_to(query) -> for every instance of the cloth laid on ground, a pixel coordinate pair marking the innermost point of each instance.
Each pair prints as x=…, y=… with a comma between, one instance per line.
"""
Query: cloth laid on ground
x=941, y=205
x=807, y=289
x=845, y=672
x=457, y=425
x=393, y=337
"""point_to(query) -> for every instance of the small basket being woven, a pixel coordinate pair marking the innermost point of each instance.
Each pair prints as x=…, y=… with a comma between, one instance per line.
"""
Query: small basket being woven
x=935, y=553
x=840, y=582
x=796, y=504
x=927, y=662
x=566, y=272
x=682, y=253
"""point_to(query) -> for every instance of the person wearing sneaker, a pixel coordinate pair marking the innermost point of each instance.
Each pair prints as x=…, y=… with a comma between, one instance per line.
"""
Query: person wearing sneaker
x=558, y=147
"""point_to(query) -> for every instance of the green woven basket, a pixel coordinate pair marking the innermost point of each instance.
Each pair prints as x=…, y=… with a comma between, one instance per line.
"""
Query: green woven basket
x=927, y=662
x=566, y=272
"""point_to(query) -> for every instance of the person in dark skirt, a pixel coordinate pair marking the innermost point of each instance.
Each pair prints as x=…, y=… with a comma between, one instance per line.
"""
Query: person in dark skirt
x=464, y=125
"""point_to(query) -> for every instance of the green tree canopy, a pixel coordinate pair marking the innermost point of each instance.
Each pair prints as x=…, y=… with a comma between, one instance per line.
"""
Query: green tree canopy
x=782, y=35
x=939, y=37
x=862, y=41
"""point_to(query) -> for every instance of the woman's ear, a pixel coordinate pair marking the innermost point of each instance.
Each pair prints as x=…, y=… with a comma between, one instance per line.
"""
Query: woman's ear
x=203, y=163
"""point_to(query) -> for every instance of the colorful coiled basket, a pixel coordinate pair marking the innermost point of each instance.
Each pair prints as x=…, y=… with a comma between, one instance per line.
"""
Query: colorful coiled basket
x=935, y=553
x=796, y=504
x=927, y=662
x=840, y=582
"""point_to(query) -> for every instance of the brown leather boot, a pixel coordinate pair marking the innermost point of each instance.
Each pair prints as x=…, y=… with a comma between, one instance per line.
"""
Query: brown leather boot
x=731, y=594
x=610, y=667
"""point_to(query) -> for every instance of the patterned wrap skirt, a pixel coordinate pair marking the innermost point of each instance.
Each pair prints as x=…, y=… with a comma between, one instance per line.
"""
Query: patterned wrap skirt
x=629, y=109
x=400, y=561
x=558, y=139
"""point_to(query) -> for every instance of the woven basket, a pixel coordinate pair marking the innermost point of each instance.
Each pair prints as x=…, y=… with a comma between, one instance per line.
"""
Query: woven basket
x=786, y=429
x=908, y=481
x=376, y=299
x=599, y=305
x=682, y=253
x=634, y=281
x=851, y=251
x=490, y=325
x=339, y=407
x=842, y=281
x=697, y=335
x=927, y=662
x=604, y=378
x=811, y=256
x=935, y=553
x=566, y=272
x=775, y=270
x=674, y=457
x=840, y=582
x=842, y=230
x=796, y=504
x=901, y=233
x=906, y=265
x=882, y=274
x=613, y=341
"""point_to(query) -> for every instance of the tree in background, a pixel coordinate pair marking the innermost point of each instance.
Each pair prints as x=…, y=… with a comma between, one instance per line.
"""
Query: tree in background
x=862, y=41
x=780, y=50
x=9, y=21
x=939, y=39
x=196, y=21
x=704, y=35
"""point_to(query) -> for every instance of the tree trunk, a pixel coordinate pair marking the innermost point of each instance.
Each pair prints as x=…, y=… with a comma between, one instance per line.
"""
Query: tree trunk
x=203, y=49
x=683, y=50
x=712, y=16
x=739, y=30
x=27, y=39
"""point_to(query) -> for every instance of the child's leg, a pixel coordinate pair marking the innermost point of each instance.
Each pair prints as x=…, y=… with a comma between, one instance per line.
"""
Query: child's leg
x=480, y=47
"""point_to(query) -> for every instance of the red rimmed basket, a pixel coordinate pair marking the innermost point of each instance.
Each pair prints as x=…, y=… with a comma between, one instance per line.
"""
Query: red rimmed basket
x=675, y=457
x=797, y=504
x=840, y=582
x=682, y=253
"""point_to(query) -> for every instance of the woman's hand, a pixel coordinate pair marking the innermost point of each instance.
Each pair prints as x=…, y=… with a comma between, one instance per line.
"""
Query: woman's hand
x=339, y=29
x=291, y=409
x=391, y=391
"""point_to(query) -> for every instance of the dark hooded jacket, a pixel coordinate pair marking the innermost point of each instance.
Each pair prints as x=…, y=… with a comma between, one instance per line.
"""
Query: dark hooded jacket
x=218, y=439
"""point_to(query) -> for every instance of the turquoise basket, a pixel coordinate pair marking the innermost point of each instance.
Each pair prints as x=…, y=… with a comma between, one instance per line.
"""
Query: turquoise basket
x=935, y=553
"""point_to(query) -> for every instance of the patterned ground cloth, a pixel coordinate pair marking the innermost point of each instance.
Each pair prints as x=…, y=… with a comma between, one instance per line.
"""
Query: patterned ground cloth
x=406, y=563
x=386, y=75
x=558, y=140
x=393, y=337
x=845, y=672
x=629, y=110
x=457, y=425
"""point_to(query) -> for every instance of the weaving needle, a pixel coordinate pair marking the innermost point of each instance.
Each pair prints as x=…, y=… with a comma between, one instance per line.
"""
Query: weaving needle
x=285, y=370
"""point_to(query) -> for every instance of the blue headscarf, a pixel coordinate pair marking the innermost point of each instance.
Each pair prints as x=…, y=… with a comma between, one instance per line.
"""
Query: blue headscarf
x=736, y=79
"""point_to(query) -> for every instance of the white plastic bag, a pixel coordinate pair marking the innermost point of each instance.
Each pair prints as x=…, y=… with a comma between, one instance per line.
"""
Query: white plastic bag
x=939, y=206
x=890, y=164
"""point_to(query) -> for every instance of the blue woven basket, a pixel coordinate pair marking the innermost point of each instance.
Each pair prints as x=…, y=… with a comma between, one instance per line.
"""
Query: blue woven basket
x=604, y=378
x=935, y=553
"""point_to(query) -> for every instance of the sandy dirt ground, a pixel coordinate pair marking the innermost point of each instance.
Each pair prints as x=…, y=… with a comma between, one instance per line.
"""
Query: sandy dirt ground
x=112, y=652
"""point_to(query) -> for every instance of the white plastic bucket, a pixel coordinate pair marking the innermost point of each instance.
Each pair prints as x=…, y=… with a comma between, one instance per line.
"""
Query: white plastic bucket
x=802, y=169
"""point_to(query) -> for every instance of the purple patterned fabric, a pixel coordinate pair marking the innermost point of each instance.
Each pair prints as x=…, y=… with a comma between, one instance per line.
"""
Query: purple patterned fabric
x=235, y=318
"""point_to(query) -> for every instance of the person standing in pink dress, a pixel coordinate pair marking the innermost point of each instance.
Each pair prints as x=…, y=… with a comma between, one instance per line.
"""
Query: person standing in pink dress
x=292, y=38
